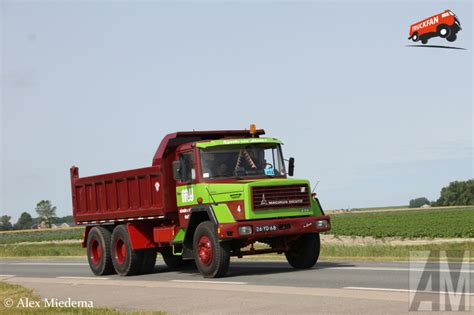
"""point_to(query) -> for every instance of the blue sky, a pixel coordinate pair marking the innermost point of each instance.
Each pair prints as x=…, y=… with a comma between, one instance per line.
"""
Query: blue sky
x=98, y=84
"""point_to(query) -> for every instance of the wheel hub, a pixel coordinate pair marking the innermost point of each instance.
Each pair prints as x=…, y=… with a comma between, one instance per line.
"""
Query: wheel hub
x=120, y=251
x=95, y=251
x=205, y=251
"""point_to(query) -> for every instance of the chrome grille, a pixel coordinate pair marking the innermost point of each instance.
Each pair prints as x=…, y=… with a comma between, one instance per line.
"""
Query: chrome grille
x=278, y=197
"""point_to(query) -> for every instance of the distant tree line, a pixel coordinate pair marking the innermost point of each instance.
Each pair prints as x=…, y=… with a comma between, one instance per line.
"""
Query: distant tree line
x=457, y=193
x=46, y=216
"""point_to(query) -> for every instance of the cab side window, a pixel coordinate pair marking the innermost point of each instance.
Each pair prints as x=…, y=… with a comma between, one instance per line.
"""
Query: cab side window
x=187, y=163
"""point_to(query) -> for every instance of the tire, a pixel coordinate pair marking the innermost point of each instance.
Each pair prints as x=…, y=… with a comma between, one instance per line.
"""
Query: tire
x=424, y=41
x=452, y=38
x=98, y=251
x=304, y=253
x=148, y=261
x=126, y=261
x=211, y=256
x=443, y=31
x=415, y=37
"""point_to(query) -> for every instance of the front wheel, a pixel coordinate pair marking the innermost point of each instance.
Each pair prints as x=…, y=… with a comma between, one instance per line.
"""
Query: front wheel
x=452, y=38
x=304, y=252
x=211, y=256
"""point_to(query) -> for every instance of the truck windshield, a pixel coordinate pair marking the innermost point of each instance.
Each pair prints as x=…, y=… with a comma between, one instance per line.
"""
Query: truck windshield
x=237, y=161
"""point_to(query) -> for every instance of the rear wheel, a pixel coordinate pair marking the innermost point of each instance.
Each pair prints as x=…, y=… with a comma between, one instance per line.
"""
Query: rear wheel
x=174, y=262
x=304, y=252
x=126, y=260
x=443, y=31
x=424, y=41
x=98, y=251
x=148, y=260
x=415, y=37
x=211, y=256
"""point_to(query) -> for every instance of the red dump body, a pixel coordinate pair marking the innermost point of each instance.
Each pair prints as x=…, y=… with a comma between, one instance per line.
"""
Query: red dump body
x=143, y=193
x=117, y=195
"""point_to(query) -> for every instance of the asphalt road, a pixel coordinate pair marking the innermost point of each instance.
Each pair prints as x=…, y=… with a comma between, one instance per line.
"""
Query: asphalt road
x=251, y=286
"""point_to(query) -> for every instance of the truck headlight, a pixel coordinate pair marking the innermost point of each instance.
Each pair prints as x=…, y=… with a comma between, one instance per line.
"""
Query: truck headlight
x=321, y=224
x=245, y=230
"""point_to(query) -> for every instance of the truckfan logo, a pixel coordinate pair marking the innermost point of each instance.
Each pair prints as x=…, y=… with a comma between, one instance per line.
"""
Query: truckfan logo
x=444, y=25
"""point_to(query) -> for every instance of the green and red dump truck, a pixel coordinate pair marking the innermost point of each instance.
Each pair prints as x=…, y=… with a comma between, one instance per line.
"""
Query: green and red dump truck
x=208, y=195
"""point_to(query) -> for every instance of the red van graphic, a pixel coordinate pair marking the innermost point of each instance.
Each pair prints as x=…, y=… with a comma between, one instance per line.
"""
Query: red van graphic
x=445, y=25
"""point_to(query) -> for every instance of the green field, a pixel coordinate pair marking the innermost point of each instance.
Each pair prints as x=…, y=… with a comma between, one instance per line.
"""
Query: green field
x=11, y=237
x=427, y=223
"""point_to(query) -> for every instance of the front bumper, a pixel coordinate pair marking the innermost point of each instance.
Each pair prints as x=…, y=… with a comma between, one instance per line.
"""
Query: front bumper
x=287, y=226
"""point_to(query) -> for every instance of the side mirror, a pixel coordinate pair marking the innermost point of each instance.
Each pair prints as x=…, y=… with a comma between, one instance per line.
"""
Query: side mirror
x=291, y=166
x=177, y=170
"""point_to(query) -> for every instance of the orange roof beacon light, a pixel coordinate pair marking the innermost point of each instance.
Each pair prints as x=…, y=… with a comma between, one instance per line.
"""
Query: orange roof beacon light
x=253, y=129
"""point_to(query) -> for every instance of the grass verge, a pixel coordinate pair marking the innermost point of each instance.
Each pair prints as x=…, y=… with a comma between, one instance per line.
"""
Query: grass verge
x=393, y=252
x=59, y=234
x=41, y=249
x=16, y=295
x=443, y=222
x=376, y=252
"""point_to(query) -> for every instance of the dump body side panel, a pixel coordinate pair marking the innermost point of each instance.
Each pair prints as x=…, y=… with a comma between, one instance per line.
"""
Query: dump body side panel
x=129, y=194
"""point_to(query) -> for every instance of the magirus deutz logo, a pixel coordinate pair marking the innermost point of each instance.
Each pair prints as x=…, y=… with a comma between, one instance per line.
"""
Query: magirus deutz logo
x=444, y=25
x=280, y=202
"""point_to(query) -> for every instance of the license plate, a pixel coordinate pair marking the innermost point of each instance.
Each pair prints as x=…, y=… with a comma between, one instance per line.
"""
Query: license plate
x=266, y=228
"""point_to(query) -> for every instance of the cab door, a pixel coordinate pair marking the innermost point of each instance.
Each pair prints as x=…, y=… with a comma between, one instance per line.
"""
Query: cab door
x=185, y=185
